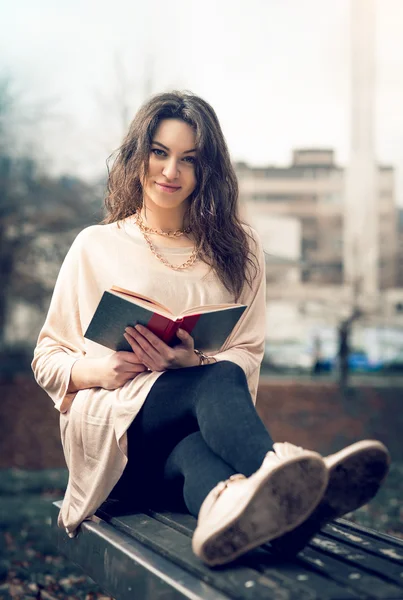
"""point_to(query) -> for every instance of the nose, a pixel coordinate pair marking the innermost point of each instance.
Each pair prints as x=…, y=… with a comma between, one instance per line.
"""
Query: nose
x=170, y=169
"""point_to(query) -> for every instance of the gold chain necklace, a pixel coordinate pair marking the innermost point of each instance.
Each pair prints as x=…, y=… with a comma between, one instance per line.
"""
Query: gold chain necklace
x=146, y=229
x=190, y=261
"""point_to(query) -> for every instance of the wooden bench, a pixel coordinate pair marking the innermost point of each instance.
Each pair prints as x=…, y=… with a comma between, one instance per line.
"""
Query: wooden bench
x=147, y=555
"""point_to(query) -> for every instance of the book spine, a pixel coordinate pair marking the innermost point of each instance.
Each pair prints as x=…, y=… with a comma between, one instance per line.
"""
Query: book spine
x=171, y=330
x=186, y=323
x=159, y=325
x=189, y=323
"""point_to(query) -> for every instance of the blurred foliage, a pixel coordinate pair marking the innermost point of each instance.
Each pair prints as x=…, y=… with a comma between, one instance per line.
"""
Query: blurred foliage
x=39, y=216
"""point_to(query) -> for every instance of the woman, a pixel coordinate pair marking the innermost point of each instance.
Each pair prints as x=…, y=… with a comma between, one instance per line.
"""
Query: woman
x=178, y=424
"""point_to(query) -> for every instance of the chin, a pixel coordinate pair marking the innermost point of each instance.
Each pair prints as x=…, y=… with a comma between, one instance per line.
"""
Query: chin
x=167, y=201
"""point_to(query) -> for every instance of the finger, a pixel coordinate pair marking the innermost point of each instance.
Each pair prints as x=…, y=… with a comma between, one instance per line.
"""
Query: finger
x=149, y=343
x=157, y=359
x=129, y=357
x=153, y=339
x=133, y=338
x=185, y=338
x=139, y=368
x=141, y=354
x=135, y=367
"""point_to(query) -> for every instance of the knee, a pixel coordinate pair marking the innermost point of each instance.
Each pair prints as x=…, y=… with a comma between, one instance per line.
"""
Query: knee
x=222, y=381
x=227, y=371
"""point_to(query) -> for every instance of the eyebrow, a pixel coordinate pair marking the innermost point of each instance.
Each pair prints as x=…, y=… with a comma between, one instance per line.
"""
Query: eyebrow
x=166, y=147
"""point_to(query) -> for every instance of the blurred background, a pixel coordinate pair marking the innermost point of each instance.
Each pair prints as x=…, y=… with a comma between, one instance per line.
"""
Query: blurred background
x=309, y=96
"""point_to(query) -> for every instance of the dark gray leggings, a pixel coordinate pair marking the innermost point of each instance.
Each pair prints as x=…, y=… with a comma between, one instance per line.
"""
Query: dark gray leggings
x=197, y=427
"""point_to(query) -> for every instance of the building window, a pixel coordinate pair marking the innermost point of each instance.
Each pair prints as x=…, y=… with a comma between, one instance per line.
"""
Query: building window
x=309, y=222
x=309, y=244
x=332, y=198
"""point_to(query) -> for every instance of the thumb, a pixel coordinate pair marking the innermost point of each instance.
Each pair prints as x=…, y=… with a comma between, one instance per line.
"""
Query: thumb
x=185, y=337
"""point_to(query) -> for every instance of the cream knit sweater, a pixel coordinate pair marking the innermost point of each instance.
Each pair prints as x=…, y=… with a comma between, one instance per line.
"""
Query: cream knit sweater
x=94, y=421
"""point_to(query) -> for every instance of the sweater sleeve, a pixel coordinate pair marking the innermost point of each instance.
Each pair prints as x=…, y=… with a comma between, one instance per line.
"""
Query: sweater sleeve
x=61, y=342
x=245, y=346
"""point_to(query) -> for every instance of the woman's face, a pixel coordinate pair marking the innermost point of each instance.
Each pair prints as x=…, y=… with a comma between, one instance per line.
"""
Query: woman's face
x=171, y=176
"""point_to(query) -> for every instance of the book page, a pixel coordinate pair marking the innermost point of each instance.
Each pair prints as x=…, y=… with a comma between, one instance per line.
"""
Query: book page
x=208, y=308
x=147, y=302
x=116, y=288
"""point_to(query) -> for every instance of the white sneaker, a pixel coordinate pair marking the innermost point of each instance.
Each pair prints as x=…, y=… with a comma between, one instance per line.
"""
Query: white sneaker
x=355, y=476
x=242, y=513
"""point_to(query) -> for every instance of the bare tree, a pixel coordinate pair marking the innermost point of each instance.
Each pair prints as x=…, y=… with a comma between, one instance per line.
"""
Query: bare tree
x=31, y=204
x=127, y=89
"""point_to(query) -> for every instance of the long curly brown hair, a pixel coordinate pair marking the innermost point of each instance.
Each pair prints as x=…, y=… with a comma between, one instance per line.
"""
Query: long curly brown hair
x=213, y=212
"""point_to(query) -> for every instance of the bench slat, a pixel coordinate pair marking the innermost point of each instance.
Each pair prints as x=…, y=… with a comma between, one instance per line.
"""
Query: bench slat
x=343, y=561
x=302, y=575
x=359, y=557
x=287, y=576
x=182, y=522
x=367, y=542
x=377, y=535
x=237, y=580
x=367, y=564
x=125, y=568
x=350, y=573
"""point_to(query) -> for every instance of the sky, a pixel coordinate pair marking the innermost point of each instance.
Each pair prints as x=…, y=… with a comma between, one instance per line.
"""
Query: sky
x=277, y=72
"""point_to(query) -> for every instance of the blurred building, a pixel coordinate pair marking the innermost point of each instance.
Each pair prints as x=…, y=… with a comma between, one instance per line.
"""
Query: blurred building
x=281, y=238
x=311, y=190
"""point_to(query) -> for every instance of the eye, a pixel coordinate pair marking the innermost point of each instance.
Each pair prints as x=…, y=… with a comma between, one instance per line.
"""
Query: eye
x=156, y=150
x=190, y=159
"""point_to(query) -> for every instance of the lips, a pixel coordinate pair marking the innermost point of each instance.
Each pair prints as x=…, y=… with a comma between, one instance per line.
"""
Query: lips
x=167, y=188
x=173, y=187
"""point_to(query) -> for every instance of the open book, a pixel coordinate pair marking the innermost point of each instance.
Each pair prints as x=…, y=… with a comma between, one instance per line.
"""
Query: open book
x=209, y=325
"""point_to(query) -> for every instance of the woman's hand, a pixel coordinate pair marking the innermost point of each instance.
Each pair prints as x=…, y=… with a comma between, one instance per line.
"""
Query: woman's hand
x=156, y=354
x=118, y=368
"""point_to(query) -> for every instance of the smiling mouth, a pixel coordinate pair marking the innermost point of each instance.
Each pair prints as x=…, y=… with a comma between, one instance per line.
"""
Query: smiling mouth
x=171, y=188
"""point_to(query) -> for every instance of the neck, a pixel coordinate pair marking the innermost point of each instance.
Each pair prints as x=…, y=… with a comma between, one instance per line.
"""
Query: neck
x=167, y=220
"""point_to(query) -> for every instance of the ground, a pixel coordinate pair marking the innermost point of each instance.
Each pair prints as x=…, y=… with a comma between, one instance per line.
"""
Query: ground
x=30, y=566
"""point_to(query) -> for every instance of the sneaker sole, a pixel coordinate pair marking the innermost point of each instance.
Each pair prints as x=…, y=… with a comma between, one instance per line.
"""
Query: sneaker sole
x=283, y=499
x=355, y=476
